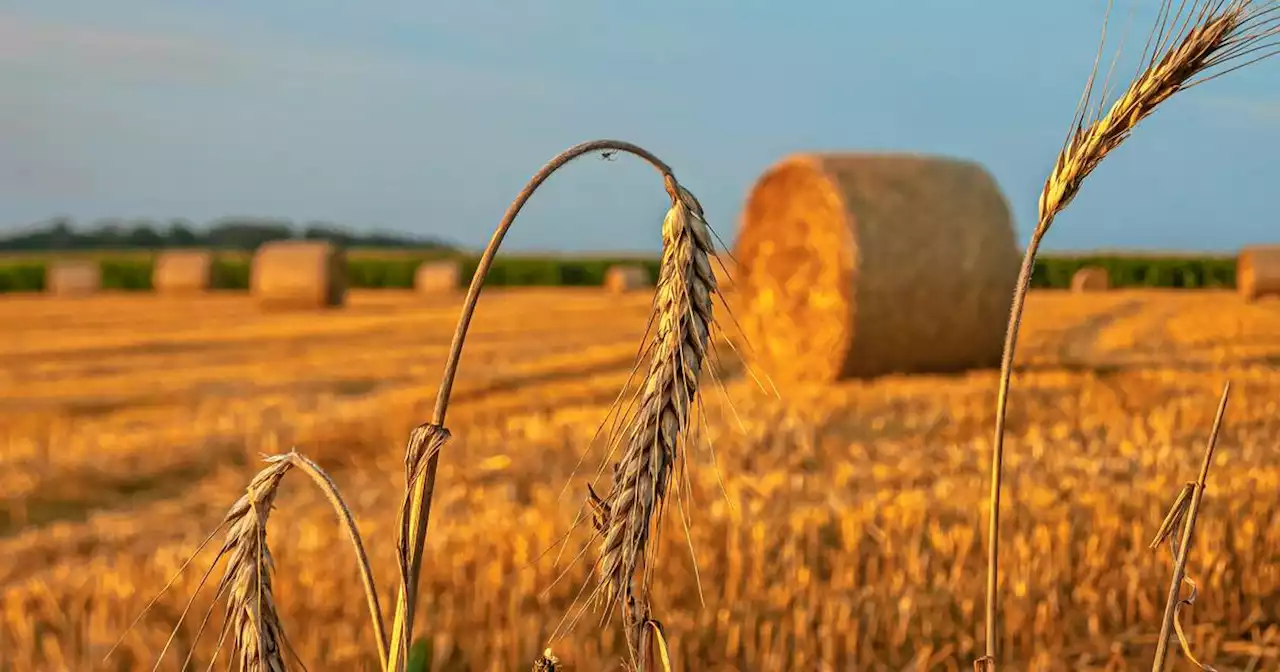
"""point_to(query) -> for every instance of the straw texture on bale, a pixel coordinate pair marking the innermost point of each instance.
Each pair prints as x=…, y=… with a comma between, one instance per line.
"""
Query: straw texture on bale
x=70, y=277
x=626, y=278
x=1258, y=272
x=855, y=265
x=298, y=275
x=182, y=272
x=437, y=277
x=1091, y=279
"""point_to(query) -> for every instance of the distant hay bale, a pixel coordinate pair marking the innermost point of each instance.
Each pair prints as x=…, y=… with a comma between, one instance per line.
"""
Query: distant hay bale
x=182, y=272
x=292, y=274
x=858, y=265
x=1091, y=279
x=72, y=277
x=626, y=278
x=1258, y=272
x=437, y=277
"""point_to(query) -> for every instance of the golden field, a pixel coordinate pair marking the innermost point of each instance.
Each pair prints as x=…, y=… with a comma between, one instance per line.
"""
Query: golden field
x=835, y=528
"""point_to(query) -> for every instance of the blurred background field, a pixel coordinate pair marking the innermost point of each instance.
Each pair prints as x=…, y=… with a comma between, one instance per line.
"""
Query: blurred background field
x=835, y=528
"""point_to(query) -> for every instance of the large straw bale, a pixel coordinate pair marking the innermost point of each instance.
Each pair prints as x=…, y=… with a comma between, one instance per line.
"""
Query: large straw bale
x=72, y=277
x=1091, y=279
x=291, y=274
x=626, y=278
x=182, y=272
x=1258, y=272
x=853, y=265
x=437, y=277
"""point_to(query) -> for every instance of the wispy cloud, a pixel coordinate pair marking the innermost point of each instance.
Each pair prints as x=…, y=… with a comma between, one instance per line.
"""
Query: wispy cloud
x=33, y=46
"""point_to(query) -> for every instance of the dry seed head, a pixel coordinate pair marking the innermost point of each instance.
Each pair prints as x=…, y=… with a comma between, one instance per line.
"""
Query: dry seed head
x=1223, y=31
x=252, y=619
x=651, y=436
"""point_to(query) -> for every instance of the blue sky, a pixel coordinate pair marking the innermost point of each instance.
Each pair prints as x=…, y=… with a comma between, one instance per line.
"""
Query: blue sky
x=427, y=117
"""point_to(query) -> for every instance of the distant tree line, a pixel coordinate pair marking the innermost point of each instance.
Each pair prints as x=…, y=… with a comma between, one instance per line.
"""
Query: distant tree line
x=232, y=233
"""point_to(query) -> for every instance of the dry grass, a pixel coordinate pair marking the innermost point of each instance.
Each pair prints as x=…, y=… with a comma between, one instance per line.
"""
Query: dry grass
x=848, y=531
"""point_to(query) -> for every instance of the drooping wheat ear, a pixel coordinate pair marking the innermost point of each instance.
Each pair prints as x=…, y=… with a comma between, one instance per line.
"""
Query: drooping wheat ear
x=1193, y=41
x=421, y=463
x=252, y=619
x=682, y=311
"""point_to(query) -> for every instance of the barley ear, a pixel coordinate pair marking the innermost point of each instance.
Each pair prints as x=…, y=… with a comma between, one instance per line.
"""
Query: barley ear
x=421, y=463
x=1194, y=41
x=651, y=438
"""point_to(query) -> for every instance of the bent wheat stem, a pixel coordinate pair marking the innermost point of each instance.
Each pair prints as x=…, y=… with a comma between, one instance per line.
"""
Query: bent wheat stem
x=422, y=461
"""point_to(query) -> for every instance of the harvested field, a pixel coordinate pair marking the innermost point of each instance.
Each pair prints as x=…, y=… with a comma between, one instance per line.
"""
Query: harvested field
x=847, y=534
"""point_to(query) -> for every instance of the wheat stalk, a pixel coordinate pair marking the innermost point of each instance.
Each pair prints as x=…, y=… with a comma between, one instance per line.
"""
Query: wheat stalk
x=423, y=451
x=682, y=311
x=1186, y=506
x=1193, y=41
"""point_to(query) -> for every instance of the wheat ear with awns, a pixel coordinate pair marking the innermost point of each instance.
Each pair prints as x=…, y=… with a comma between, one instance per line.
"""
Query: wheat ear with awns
x=1193, y=41
x=685, y=285
x=652, y=437
x=682, y=310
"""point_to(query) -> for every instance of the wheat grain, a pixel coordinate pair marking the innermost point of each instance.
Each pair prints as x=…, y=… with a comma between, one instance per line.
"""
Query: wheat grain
x=683, y=312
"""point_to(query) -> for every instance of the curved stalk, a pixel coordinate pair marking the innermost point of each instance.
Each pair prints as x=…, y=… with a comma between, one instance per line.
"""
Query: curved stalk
x=423, y=486
x=330, y=490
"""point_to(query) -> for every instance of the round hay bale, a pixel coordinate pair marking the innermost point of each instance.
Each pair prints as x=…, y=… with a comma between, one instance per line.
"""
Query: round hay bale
x=1258, y=272
x=1091, y=279
x=290, y=274
x=437, y=277
x=72, y=277
x=858, y=265
x=626, y=278
x=182, y=272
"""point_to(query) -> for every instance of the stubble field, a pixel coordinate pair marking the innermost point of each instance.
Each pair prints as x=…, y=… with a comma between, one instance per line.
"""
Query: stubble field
x=836, y=528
